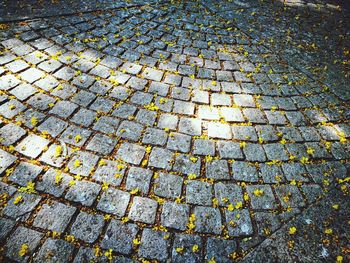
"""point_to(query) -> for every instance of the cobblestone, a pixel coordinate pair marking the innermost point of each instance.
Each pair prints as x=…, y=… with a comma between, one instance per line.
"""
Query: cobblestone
x=152, y=131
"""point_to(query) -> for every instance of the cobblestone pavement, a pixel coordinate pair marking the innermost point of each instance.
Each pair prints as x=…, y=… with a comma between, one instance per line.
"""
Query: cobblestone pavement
x=173, y=131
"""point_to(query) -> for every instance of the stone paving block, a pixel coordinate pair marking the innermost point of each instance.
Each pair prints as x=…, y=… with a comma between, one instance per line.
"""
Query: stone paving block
x=254, y=152
x=267, y=133
x=295, y=171
x=261, y=197
x=31, y=75
x=63, y=109
x=54, y=216
x=130, y=130
x=243, y=100
x=54, y=250
x=10, y=133
x=107, y=125
x=340, y=151
x=146, y=117
x=7, y=190
x=110, y=172
x=25, y=173
x=32, y=145
x=22, y=236
x=101, y=144
x=75, y=135
x=267, y=222
x=82, y=163
x=84, y=117
x=53, y=126
x=155, y=137
x=175, y=215
x=220, y=250
x=114, y=202
x=229, y=150
x=179, y=142
x=243, y=171
x=55, y=155
x=141, y=98
x=21, y=205
x=152, y=74
x=41, y=101
x=208, y=113
x=208, y=220
x=204, y=147
x=168, y=185
x=271, y=173
x=31, y=118
x=139, y=178
x=161, y=158
x=219, y=130
x=244, y=133
x=83, y=192
x=131, y=153
x=180, y=93
x=319, y=172
x=239, y=223
x=217, y=169
x=8, y=81
x=313, y=192
x=190, y=126
x=11, y=108
x=227, y=194
x=167, y=121
x=154, y=245
x=119, y=237
x=254, y=116
x=23, y=91
x=182, y=107
x=83, y=98
x=87, y=254
x=275, y=151
x=198, y=192
x=50, y=65
x=54, y=182
x=185, y=165
x=319, y=150
x=6, y=225
x=232, y=114
x=101, y=105
x=289, y=196
x=297, y=151
x=191, y=247
x=275, y=118
x=143, y=210
x=87, y=227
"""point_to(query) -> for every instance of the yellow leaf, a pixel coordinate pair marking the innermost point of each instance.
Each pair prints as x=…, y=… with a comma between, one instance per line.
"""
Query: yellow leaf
x=18, y=199
x=24, y=250
x=292, y=230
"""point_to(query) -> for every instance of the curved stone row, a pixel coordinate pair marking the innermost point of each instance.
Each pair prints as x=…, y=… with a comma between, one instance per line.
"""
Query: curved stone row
x=150, y=128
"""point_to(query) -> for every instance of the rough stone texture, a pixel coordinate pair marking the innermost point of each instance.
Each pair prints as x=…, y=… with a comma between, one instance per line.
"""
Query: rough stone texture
x=175, y=215
x=22, y=236
x=87, y=227
x=55, y=251
x=219, y=120
x=153, y=245
x=83, y=192
x=54, y=217
x=119, y=237
x=114, y=201
x=143, y=210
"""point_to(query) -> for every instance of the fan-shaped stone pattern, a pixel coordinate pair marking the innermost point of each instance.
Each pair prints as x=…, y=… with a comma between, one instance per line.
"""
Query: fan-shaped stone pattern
x=160, y=123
